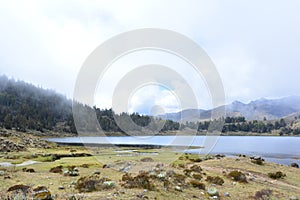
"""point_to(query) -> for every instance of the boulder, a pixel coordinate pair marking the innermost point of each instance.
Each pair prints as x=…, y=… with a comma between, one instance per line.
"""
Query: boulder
x=212, y=191
x=295, y=165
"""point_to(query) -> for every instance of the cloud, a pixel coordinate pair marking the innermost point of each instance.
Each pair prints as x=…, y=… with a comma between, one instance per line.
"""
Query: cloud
x=255, y=45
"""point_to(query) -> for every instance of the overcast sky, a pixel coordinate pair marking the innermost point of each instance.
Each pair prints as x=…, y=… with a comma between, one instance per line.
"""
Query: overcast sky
x=254, y=44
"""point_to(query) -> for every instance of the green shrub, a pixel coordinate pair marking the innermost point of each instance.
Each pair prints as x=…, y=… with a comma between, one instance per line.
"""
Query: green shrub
x=276, y=175
x=142, y=180
x=197, y=176
x=91, y=183
x=215, y=180
x=238, y=176
x=258, y=162
x=197, y=184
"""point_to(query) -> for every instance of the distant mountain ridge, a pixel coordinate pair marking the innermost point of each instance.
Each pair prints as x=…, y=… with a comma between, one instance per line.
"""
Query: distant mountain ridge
x=255, y=110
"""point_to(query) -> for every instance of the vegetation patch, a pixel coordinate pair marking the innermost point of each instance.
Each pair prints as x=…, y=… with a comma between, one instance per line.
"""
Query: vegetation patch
x=215, y=180
x=276, y=175
x=238, y=176
x=94, y=183
x=263, y=194
x=142, y=180
x=197, y=184
x=147, y=159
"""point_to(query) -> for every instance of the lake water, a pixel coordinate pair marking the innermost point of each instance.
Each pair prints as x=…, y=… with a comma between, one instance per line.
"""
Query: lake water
x=282, y=150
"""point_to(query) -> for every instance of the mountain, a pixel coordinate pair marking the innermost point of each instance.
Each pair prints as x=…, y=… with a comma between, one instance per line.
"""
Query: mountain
x=255, y=110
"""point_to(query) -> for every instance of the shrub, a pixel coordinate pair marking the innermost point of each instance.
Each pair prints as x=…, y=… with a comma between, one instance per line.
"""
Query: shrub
x=215, y=180
x=238, y=176
x=142, y=180
x=276, y=175
x=263, y=194
x=197, y=176
x=258, y=162
x=57, y=169
x=196, y=168
x=294, y=165
x=179, y=178
x=147, y=159
x=197, y=184
x=91, y=183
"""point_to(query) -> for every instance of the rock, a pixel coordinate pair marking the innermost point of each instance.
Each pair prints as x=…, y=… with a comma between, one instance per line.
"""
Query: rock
x=233, y=183
x=214, y=197
x=212, y=191
x=97, y=172
x=71, y=197
x=226, y=194
x=109, y=184
x=106, y=166
x=2, y=173
x=161, y=175
x=177, y=188
x=251, y=178
x=293, y=198
x=294, y=165
x=42, y=195
x=61, y=187
x=73, y=183
x=125, y=169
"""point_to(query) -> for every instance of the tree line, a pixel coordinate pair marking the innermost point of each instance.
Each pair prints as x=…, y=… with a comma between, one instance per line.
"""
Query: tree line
x=24, y=107
x=240, y=124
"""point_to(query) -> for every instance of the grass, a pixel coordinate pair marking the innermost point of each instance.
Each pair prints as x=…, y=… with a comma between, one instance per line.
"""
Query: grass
x=281, y=189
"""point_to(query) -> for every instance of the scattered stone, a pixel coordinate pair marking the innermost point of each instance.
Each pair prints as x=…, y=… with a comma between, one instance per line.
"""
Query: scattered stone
x=2, y=173
x=212, y=191
x=226, y=194
x=178, y=188
x=162, y=175
x=251, y=178
x=109, y=184
x=294, y=165
x=61, y=187
x=97, y=172
x=125, y=169
x=44, y=194
x=293, y=198
x=106, y=166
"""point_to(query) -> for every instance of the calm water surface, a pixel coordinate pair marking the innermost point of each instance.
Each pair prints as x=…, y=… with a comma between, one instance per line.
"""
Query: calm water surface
x=282, y=150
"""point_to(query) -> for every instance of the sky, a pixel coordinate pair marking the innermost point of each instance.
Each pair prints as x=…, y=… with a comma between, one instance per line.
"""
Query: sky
x=254, y=45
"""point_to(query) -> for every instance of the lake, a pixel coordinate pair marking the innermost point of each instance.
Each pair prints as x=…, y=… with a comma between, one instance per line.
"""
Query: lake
x=282, y=150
